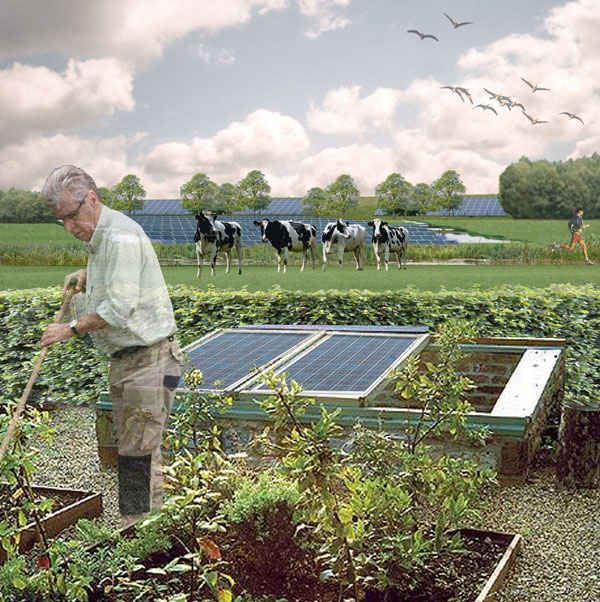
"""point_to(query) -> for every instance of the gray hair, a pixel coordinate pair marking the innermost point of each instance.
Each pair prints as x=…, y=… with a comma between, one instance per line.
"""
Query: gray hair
x=70, y=179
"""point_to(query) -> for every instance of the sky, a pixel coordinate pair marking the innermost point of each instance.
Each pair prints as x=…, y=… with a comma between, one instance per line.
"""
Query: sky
x=303, y=90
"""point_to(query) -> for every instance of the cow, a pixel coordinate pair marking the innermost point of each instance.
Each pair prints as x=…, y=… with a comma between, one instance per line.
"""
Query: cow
x=288, y=236
x=213, y=237
x=347, y=237
x=389, y=239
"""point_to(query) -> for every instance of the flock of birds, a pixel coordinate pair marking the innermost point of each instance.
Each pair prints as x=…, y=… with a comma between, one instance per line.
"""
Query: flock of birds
x=503, y=100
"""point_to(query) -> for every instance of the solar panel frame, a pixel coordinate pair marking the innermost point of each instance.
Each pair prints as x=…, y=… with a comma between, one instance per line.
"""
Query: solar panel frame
x=308, y=338
x=418, y=341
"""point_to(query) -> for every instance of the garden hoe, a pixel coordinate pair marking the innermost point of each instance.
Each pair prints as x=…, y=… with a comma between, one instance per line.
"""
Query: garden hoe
x=19, y=409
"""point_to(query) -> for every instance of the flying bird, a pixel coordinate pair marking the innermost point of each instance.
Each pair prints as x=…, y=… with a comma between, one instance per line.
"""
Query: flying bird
x=484, y=107
x=455, y=89
x=455, y=24
x=571, y=116
x=533, y=88
x=533, y=121
x=510, y=103
x=422, y=35
x=465, y=91
x=494, y=96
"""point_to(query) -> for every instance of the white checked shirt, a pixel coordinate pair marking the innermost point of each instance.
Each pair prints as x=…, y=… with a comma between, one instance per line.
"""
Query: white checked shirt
x=125, y=286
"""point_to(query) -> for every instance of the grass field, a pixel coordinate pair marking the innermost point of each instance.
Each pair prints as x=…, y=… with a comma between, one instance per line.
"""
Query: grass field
x=531, y=231
x=421, y=277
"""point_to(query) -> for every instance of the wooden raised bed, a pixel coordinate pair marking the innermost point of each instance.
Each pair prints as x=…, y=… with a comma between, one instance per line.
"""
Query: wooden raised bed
x=511, y=543
x=514, y=544
x=79, y=504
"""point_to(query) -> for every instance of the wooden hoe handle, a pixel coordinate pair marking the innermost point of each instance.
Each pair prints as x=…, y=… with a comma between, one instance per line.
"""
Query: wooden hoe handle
x=21, y=405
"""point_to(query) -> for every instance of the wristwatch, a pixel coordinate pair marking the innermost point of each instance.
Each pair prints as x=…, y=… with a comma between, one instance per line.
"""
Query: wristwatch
x=73, y=325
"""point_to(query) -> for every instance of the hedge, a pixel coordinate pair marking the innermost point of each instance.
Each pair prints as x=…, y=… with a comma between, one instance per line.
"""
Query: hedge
x=74, y=372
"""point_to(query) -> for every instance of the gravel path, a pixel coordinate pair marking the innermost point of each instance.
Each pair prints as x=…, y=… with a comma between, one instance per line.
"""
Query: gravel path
x=560, y=561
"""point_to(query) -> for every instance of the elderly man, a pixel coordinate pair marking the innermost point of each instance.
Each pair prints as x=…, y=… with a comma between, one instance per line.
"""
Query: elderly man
x=129, y=316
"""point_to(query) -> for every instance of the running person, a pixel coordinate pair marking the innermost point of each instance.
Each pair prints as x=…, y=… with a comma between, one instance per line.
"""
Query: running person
x=576, y=225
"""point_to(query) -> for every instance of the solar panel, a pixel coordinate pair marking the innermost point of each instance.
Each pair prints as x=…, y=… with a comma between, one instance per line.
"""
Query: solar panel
x=181, y=228
x=473, y=206
x=227, y=357
x=347, y=363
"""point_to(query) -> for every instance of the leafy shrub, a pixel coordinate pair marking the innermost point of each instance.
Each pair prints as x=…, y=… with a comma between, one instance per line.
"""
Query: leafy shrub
x=77, y=373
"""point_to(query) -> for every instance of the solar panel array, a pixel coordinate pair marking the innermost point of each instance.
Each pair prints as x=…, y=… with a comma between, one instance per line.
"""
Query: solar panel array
x=230, y=356
x=473, y=206
x=162, y=207
x=181, y=229
x=329, y=362
x=279, y=206
x=345, y=362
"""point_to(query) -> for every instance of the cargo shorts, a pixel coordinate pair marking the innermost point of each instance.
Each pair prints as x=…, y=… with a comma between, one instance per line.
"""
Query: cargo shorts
x=142, y=389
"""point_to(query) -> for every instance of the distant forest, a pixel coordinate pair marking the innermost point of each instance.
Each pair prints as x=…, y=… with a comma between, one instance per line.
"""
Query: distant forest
x=538, y=189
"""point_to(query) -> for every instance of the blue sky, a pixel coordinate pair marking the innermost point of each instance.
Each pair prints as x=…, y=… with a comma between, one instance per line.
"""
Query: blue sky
x=303, y=90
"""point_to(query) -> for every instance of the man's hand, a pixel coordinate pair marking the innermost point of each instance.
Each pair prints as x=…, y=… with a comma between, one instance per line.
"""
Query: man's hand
x=81, y=276
x=586, y=225
x=55, y=333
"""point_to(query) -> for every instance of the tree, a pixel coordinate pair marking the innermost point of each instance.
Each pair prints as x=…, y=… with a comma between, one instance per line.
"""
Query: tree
x=254, y=191
x=128, y=194
x=198, y=194
x=227, y=199
x=23, y=206
x=316, y=202
x=421, y=198
x=393, y=194
x=449, y=191
x=343, y=194
x=106, y=196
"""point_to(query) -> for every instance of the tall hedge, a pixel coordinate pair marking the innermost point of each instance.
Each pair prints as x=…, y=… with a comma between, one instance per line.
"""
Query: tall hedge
x=545, y=189
x=74, y=372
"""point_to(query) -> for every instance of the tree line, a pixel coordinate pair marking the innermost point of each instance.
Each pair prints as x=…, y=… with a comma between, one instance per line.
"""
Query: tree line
x=395, y=196
x=545, y=189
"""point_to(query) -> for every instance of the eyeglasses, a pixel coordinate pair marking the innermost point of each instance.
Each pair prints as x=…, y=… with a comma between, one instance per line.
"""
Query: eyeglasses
x=72, y=216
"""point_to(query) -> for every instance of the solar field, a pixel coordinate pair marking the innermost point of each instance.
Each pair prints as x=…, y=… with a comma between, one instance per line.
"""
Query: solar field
x=181, y=228
x=473, y=206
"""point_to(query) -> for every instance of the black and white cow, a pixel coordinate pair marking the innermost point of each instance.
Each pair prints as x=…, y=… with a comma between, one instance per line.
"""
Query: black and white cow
x=346, y=237
x=288, y=236
x=389, y=239
x=213, y=236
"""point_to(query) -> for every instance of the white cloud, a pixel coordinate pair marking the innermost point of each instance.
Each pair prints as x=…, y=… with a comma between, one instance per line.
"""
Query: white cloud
x=136, y=30
x=343, y=111
x=324, y=12
x=37, y=99
x=27, y=164
x=264, y=139
x=219, y=56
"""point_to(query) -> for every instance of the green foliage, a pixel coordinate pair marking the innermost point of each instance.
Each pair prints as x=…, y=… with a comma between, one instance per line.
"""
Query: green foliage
x=343, y=195
x=254, y=191
x=227, y=199
x=74, y=372
x=394, y=195
x=551, y=189
x=198, y=194
x=128, y=195
x=421, y=198
x=23, y=206
x=316, y=202
x=375, y=522
x=256, y=497
x=448, y=190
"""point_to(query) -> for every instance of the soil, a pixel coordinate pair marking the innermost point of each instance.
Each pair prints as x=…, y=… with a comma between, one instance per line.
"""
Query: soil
x=60, y=500
x=275, y=567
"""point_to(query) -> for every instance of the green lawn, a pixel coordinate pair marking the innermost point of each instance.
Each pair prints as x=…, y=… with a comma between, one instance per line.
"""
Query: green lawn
x=40, y=234
x=524, y=230
x=421, y=277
